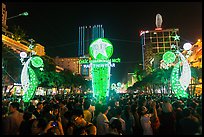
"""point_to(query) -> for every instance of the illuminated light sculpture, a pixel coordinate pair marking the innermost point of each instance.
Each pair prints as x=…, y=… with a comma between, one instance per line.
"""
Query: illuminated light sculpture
x=29, y=79
x=37, y=61
x=187, y=46
x=179, y=85
x=176, y=37
x=33, y=84
x=169, y=57
x=101, y=50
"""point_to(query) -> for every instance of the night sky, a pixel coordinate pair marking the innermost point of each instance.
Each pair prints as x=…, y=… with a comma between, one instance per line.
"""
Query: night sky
x=55, y=26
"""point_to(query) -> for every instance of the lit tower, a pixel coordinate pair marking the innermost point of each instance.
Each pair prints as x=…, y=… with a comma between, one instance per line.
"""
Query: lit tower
x=156, y=42
x=100, y=51
x=88, y=34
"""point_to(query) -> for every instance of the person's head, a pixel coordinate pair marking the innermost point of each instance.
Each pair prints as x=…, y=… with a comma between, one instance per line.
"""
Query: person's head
x=38, y=125
x=167, y=107
x=77, y=116
x=104, y=109
x=27, y=116
x=56, y=109
x=87, y=104
x=14, y=106
x=62, y=103
x=187, y=112
x=142, y=110
x=31, y=108
x=116, y=126
x=4, y=110
x=39, y=105
x=118, y=111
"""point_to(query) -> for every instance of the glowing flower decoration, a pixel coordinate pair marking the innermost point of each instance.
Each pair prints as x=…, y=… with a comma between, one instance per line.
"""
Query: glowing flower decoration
x=37, y=61
x=169, y=57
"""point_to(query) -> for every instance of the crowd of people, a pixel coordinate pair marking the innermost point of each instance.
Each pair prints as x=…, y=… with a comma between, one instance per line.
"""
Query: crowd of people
x=121, y=114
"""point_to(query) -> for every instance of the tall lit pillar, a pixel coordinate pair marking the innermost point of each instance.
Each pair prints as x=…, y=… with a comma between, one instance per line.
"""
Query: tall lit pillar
x=101, y=50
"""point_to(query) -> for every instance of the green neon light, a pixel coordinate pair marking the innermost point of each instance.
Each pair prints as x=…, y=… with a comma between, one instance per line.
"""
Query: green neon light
x=175, y=83
x=36, y=61
x=33, y=83
x=101, y=81
x=176, y=37
x=86, y=61
x=101, y=49
x=169, y=57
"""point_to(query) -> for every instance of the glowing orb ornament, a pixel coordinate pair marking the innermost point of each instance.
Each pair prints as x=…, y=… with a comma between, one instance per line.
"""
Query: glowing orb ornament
x=101, y=49
x=37, y=61
x=169, y=57
x=23, y=54
x=187, y=46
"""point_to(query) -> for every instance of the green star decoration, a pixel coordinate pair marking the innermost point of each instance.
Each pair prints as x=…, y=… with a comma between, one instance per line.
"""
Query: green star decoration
x=101, y=49
x=176, y=37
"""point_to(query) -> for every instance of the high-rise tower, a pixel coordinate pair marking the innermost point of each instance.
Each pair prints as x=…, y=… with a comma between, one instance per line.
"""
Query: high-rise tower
x=88, y=34
x=156, y=42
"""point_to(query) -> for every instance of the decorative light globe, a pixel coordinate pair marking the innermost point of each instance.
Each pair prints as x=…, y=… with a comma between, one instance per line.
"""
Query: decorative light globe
x=169, y=57
x=187, y=46
x=23, y=54
x=101, y=49
x=36, y=61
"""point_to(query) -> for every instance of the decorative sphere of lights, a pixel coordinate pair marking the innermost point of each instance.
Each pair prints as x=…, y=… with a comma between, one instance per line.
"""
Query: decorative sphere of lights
x=36, y=61
x=187, y=46
x=119, y=84
x=23, y=54
x=169, y=57
x=101, y=49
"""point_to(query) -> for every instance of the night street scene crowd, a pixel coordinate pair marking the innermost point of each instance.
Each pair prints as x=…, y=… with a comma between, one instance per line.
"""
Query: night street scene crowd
x=121, y=114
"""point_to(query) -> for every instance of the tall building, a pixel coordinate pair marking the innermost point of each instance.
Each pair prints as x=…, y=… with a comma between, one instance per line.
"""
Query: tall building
x=4, y=17
x=88, y=34
x=155, y=43
x=68, y=63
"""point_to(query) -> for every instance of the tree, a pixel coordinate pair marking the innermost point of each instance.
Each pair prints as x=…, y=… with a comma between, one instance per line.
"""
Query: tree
x=18, y=33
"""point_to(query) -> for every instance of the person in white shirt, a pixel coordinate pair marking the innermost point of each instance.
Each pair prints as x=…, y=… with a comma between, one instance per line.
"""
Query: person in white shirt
x=102, y=122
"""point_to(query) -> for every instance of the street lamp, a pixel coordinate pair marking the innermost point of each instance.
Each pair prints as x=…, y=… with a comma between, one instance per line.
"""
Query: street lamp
x=21, y=14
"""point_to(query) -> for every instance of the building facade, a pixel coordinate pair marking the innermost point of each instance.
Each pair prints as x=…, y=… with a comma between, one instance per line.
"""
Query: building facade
x=87, y=34
x=4, y=17
x=154, y=44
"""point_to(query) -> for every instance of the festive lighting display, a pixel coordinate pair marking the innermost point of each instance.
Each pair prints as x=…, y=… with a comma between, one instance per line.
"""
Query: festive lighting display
x=29, y=79
x=23, y=54
x=169, y=57
x=187, y=46
x=176, y=37
x=175, y=83
x=25, y=76
x=37, y=61
x=101, y=81
x=186, y=72
x=179, y=85
x=101, y=50
x=33, y=83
